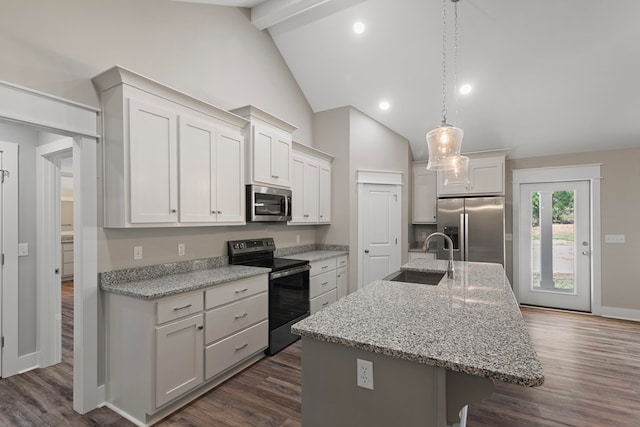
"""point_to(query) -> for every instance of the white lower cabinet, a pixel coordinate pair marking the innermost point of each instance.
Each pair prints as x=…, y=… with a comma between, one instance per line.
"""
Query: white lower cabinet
x=163, y=353
x=178, y=358
x=421, y=255
x=327, y=282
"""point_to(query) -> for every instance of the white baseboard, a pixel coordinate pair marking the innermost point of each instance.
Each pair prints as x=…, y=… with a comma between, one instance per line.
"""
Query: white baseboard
x=28, y=362
x=124, y=414
x=619, y=313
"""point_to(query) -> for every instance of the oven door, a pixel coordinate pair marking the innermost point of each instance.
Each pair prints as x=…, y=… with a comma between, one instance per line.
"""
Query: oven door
x=288, y=296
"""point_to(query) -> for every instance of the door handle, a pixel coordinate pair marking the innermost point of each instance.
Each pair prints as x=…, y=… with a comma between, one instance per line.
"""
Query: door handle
x=366, y=251
x=585, y=252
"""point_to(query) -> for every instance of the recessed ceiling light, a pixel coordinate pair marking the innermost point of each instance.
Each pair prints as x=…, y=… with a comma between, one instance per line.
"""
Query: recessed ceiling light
x=466, y=89
x=384, y=105
x=358, y=27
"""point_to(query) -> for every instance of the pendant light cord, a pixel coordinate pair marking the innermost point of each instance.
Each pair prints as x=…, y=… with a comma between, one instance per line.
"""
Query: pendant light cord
x=444, y=62
x=455, y=57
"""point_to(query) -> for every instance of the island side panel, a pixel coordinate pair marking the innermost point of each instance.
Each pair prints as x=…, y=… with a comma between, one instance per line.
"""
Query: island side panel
x=405, y=393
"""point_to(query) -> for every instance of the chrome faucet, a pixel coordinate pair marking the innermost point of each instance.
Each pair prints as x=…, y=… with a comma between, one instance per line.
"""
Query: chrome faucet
x=450, y=242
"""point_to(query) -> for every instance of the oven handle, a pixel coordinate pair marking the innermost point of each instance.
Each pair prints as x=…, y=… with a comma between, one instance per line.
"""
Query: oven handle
x=286, y=273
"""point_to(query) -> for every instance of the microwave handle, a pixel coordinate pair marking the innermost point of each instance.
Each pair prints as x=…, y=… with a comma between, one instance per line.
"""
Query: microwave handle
x=287, y=206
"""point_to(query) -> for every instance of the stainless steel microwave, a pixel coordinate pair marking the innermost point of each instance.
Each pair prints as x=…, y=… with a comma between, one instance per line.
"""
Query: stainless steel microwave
x=268, y=204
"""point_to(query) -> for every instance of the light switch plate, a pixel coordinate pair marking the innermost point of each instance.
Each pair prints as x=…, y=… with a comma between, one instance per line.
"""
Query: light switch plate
x=614, y=238
x=23, y=249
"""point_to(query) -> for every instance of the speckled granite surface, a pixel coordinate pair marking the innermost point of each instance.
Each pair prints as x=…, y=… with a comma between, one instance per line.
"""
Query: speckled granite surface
x=178, y=283
x=468, y=324
x=312, y=256
x=292, y=250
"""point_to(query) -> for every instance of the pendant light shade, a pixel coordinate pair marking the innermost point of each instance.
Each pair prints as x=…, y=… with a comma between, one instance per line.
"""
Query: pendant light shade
x=443, y=143
x=458, y=171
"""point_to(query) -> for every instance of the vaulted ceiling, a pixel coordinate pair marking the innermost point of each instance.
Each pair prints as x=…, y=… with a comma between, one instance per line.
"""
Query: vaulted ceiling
x=547, y=76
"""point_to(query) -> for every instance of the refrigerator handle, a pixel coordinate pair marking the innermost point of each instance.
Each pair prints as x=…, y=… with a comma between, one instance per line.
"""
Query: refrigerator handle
x=462, y=239
x=466, y=237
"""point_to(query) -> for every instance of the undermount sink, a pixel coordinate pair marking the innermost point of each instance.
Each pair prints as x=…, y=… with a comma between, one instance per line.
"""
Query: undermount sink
x=411, y=276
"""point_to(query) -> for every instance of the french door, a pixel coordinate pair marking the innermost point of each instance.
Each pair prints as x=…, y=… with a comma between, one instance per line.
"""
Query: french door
x=555, y=245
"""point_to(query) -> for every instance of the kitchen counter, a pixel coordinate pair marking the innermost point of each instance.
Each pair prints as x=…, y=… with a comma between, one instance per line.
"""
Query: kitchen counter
x=469, y=324
x=183, y=282
x=318, y=255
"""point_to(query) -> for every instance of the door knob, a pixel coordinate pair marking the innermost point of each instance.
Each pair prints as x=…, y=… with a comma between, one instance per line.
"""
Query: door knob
x=585, y=252
x=366, y=251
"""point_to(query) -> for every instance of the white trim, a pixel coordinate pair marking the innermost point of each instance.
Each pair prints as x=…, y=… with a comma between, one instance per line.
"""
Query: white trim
x=9, y=246
x=69, y=118
x=378, y=177
x=620, y=313
x=48, y=250
x=590, y=173
x=28, y=362
x=125, y=415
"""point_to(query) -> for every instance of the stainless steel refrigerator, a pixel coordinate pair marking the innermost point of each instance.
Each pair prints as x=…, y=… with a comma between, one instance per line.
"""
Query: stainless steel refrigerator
x=476, y=227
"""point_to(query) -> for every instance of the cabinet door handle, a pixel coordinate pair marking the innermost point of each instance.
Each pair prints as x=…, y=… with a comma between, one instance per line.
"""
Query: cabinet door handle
x=213, y=212
x=182, y=308
x=241, y=316
x=239, y=291
x=324, y=284
x=275, y=176
x=245, y=345
x=325, y=304
x=219, y=212
x=325, y=266
x=173, y=211
x=200, y=327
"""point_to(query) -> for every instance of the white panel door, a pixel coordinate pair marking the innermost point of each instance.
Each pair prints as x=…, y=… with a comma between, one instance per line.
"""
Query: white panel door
x=297, y=189
x=2, y=177
x=261, y=156
x=179, y=358
x=381, y=224
x=324, y=198
x=281, y=160
x=555, y=245
x=197, y=194
x=229, y=177
x=311, y=182
x=153, y=163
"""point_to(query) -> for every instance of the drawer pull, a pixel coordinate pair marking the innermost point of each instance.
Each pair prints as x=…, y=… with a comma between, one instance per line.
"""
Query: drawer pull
x=324, y=284
x=243, y=346
x=325, y=266
x=325, y=304
x=239, y=291
x=241, y=316
x=182, y=308
x=200, y=327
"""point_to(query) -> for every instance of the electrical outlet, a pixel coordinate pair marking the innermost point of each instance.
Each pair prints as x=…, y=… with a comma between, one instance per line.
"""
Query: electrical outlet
x=23, y=249
x=137, y=252
x=365, y=373
x=424, y=234
x=297, y=238
x=180, y=249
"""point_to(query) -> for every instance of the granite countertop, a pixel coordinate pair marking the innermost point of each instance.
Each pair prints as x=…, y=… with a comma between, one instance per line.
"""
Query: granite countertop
x=312, y=256
x=469, y=324
x=183, y=282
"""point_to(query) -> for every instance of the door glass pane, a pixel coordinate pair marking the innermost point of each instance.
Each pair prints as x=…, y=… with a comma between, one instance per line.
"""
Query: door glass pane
x=553, y=267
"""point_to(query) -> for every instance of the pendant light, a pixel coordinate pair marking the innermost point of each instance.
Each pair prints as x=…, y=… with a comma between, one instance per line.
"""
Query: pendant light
x=458, y=172
x=444, y=142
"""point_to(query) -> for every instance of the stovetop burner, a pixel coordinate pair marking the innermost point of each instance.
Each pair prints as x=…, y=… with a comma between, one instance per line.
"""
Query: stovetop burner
x=259, y=253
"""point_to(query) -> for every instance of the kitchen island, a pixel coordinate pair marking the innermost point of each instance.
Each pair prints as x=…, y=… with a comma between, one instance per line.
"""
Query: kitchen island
x=434, y=348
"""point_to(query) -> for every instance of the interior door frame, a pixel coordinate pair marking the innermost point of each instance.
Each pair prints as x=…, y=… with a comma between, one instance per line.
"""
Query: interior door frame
x=10, y=362
x=369, y=177
x=589, y=173
x=31, y=108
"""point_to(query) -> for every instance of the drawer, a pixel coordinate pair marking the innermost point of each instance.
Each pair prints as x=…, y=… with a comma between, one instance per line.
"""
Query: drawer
x=177, y=307
x=341, y=261
x=319, y=267
x=232, y=350
x=322, y=301
x=234, y=291
x=229, y=319
x=322, y=283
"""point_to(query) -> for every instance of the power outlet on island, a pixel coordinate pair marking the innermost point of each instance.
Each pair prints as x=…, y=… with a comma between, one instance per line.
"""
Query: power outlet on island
x=137, y=252
x=181, y=249
x=365, y=373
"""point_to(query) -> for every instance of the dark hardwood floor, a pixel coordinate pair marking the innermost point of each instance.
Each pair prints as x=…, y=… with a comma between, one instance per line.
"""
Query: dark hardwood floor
x=592, y=371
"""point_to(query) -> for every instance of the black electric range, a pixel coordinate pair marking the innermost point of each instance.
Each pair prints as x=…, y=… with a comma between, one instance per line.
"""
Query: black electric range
x=288, y=287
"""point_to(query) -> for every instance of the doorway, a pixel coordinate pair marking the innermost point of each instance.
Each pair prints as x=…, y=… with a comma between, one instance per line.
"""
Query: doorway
x=379, y=225
x=554, y=243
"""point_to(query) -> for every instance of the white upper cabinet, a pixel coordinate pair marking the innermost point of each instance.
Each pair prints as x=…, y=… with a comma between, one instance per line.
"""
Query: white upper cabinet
x=311, y=186
x=486, y=176
x=425, y=198
x=269, y=141
x=168, y=159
